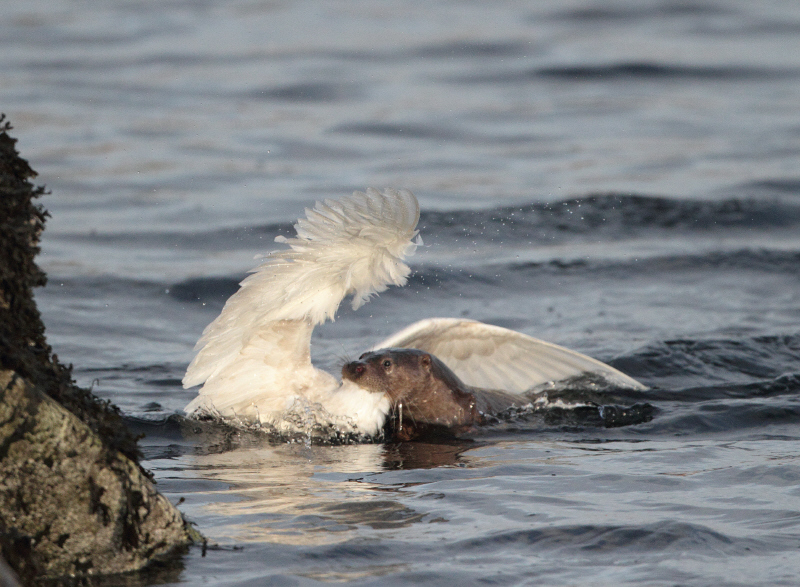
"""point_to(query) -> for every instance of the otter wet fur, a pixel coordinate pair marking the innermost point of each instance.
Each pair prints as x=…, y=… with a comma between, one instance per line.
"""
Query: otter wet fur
x=427, y=398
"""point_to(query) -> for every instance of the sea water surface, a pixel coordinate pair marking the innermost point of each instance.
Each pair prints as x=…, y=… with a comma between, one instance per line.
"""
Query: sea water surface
x=619, y=177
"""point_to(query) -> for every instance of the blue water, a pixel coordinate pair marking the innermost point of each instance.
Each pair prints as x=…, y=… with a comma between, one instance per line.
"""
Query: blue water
x=617, y=177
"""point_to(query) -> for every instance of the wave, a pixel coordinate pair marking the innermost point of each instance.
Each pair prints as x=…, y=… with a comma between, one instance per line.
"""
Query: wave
x=719, y=368
x=307, y=92
x=611, y=215
x=519, y=277
x=638, y=11
x=663, y=536
x=257, y=237
x=630, y=71
x=212, y=290
x=644, y=70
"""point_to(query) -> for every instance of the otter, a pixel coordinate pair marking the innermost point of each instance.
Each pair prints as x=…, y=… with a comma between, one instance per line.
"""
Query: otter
x=427, y=398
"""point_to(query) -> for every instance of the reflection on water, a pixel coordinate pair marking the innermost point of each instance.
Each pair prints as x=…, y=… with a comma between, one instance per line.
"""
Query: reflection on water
x=307, y=494
x=342, y=576
x=423, y=455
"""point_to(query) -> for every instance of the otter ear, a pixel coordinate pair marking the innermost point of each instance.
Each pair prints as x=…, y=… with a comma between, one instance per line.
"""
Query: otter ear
x=425, y=361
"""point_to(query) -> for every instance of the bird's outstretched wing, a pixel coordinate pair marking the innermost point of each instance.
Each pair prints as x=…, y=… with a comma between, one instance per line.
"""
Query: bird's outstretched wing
x=352, y=246
x=492, y=357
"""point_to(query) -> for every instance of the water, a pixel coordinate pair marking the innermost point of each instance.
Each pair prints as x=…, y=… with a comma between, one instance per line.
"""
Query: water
x=616, y=177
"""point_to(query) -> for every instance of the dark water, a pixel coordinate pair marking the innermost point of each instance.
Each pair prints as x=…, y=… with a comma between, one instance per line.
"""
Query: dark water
x=617, y=177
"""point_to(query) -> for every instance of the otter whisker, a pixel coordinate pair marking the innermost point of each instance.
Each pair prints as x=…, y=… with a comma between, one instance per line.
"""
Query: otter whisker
x=343, y=357
x=411, y=412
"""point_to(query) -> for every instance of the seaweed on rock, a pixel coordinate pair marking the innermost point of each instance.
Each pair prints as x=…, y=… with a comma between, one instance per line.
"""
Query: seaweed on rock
x=23, y=347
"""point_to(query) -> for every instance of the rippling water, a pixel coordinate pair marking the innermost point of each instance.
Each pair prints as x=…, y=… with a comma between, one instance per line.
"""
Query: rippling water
x=617, y=177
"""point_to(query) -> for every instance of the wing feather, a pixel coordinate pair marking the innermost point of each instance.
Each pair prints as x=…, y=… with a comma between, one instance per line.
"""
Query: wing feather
x=353, y=246
x=492, y=357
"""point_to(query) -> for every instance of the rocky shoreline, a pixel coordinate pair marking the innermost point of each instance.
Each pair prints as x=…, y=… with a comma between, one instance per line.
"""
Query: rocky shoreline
x=73, y=499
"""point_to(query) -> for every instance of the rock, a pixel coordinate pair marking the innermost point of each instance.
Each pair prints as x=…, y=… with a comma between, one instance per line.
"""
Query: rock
x=73, y=499
x=72, y=506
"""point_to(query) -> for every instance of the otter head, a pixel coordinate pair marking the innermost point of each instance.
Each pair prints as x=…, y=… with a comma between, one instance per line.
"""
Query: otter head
x=398, y=373
x=425, y=394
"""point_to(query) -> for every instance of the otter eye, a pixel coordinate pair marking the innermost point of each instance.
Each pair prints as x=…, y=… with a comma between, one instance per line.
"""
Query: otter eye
x=387, y=363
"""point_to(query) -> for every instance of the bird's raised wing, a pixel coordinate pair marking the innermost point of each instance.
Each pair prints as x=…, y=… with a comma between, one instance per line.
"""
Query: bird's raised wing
x=352, y=246
x=492, y=357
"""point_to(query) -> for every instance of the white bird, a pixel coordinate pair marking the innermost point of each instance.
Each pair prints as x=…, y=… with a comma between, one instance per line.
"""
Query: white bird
x=254, y=359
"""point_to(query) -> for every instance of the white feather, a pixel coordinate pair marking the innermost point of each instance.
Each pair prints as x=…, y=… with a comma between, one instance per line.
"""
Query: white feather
x=254, y=359
x=492, y=357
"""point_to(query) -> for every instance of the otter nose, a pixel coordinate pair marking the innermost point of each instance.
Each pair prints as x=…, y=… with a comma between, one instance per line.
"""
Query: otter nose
x=353, y=370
